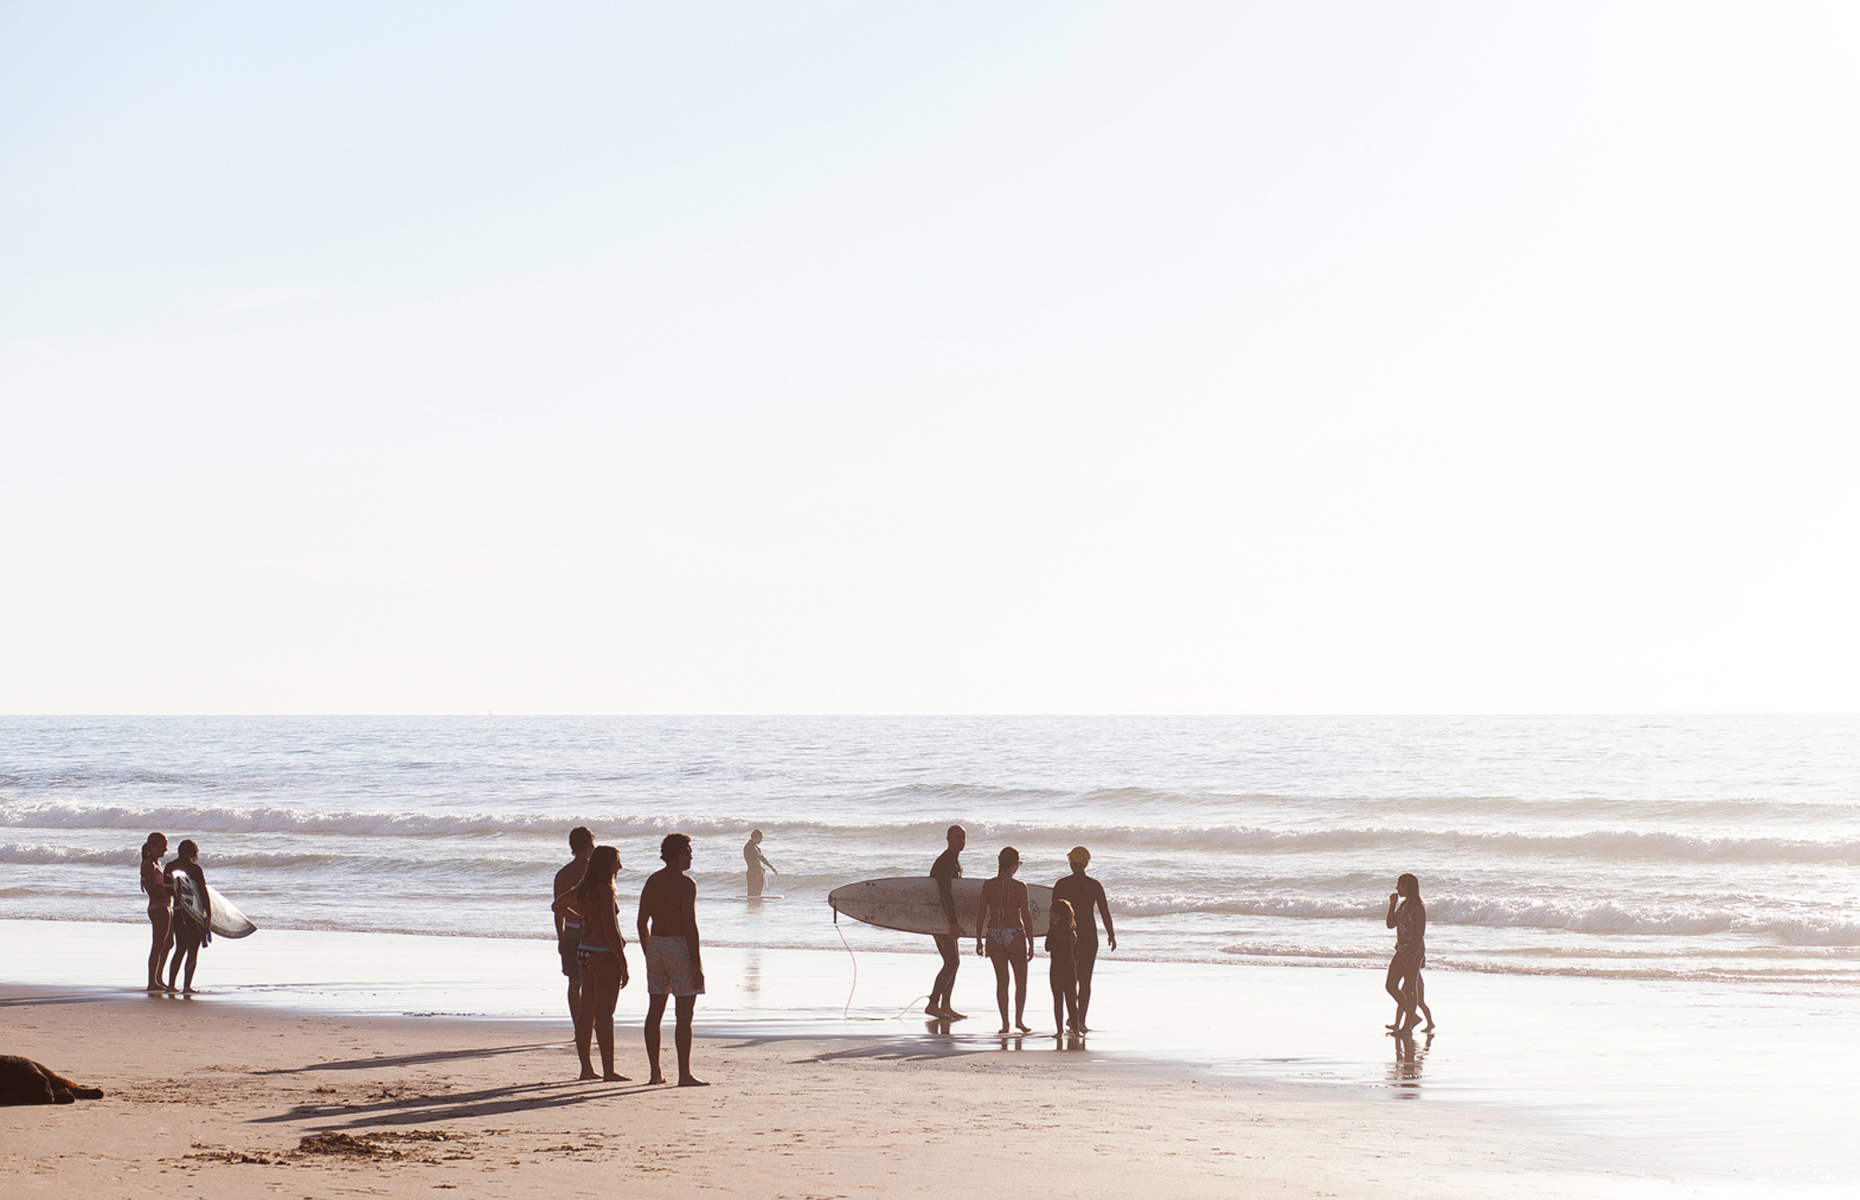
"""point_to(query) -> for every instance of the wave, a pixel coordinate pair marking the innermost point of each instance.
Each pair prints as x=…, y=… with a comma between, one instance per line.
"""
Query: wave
x=922, y=836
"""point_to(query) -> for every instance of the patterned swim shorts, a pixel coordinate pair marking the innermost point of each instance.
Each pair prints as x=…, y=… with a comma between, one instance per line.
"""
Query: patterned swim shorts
x=668, y=968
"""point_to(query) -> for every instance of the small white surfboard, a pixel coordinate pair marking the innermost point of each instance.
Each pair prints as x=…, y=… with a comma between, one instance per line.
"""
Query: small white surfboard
x=228, y=921
x=912, y=904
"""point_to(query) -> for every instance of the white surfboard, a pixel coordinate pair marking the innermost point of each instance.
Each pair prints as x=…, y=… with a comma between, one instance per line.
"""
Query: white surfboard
x=913, y=906
x=228, y=921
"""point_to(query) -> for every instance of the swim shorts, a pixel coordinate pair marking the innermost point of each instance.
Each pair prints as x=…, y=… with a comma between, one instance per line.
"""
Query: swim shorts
x=566, y=944
x=668, y=968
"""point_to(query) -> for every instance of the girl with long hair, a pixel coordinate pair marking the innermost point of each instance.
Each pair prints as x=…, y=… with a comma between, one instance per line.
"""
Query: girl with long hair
x=602, y=954
x=161, y=917
x=1407, y=916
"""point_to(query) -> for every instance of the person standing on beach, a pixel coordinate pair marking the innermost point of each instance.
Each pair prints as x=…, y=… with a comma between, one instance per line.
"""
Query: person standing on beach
x=1407, y=916
x=1004, y=923
x=948, y=866
x=668, y=933
x=752, y=858
x=189, y=934
x=601, y=955
x=161, y=908
x=1086, y=896
x=568, y=924
x=1061, y=972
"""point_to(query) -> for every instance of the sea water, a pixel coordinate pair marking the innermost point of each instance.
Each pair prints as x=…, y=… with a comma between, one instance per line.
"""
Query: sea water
x=1712, y=849
x=1643, y=928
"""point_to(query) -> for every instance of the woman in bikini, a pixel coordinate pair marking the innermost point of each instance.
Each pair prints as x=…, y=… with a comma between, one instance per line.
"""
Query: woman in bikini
x=1005, y=925
x=161, y=918
x=602, y=954
x=1407, y=916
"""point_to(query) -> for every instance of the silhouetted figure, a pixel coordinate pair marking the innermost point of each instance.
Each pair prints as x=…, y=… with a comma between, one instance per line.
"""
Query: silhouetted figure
x=190, y=934
x=161, y=909
x=568, y=922
x=601, y=955
x=668, y=932
x=1407, y=916
x=1086, y=896
x=756, y=863
x=1062, y=941
x=948, y=867
x=1004, y=923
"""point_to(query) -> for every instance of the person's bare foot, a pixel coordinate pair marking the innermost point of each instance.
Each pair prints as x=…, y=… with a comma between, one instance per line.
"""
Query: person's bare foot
x=1428, y=1028
x=656, y=1078
x=610, y=1077
x=1005, y=1029
x=1023, y=1027
x=587, y=1075
x=693, y=1081
x=950, y=1014
x=931, y=1010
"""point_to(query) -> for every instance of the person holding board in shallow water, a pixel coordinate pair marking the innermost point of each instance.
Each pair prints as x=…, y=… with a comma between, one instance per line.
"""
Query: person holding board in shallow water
x=668, y=933
x=948, y=866
x=1407, y=916
x=753, y=859
x=1086, y=896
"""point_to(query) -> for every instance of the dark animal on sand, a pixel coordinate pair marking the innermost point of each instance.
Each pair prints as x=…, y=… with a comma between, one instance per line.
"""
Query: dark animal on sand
x=23, y=1081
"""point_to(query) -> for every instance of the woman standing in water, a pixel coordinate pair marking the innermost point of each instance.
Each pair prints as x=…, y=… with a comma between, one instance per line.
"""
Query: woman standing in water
x=602, y=954
x=1005, y=925
x=1407, y=916
x=189, y=934
x=161, y=915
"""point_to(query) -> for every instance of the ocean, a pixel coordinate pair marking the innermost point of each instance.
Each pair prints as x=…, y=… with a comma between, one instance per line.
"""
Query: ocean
x=1717, y=849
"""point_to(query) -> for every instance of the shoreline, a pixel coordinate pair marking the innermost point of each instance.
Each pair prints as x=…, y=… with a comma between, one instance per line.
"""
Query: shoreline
x=1664, y=1081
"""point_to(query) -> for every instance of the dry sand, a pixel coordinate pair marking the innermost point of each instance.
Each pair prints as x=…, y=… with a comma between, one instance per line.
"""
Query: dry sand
x=208, y=1098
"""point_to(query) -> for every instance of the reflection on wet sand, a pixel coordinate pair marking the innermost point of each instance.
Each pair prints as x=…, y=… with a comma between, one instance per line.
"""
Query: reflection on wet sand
x=1405, y=1072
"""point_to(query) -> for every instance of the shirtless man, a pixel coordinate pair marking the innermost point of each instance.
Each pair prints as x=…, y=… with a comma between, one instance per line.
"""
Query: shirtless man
x=753, y=859
x=948, y=866
x=668, y=934
x=568, y=929
x=1086, y=896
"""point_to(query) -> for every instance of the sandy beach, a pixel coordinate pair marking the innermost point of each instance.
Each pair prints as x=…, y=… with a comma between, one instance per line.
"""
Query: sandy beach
x=223, y=1099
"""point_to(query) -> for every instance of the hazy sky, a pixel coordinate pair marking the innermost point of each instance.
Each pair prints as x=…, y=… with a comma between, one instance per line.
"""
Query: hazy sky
x=937, y=358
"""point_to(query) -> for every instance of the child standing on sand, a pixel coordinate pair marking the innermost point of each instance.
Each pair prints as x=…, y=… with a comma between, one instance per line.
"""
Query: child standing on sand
x=1062, y=938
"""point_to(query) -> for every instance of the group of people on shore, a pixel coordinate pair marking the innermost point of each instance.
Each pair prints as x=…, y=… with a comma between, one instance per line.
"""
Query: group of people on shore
x=1004, y=933
x=174, y=929
x=593, y=950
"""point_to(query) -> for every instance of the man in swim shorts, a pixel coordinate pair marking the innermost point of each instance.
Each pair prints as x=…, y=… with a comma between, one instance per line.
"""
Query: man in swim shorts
x=567, y=931
x=1086, y=896
x=668, y=934
x=948, y=866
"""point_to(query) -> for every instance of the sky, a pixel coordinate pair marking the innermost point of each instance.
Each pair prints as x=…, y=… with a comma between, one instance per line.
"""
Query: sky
x=929, y=358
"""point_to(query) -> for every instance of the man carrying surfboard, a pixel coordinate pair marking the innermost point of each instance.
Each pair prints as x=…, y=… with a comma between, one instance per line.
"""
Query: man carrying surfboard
x=1086, y=896
x=948, y=866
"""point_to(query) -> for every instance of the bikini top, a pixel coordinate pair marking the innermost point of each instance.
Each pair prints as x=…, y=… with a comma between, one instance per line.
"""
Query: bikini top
x=999, y=917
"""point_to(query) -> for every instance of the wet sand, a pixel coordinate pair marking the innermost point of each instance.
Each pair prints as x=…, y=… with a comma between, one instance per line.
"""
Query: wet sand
x=232, y=1100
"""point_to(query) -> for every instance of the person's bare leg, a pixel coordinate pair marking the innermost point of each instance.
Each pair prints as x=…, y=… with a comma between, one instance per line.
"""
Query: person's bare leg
x=1059, y=1003
x=1420, y=1001
x=655, y=1009
x=1392, y=985
x=681, y=1037
x=999, y=963
x=193, y=960
x=575, y=1015
x=158, y=947
x=1020, y=993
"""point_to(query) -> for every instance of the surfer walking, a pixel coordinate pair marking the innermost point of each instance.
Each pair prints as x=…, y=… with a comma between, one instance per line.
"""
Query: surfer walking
x=600, y=953
x=668, y=934
x=190, y=933
x=1407, y=916
x=753, y=859
x=161, y=910
x=948, y=867
x=1004, y=923
x=568, y=921
x=1086, y=896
